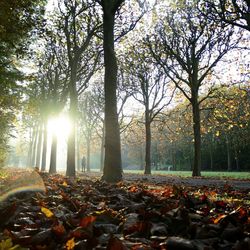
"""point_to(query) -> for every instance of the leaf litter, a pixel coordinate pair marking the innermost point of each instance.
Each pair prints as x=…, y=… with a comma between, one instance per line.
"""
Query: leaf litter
x=85, y=213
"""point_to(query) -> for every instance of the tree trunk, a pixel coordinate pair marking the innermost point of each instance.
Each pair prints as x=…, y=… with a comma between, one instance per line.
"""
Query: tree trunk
x=53, y=155
x=112, y=171
x=44, y=153
x=148, y=144
x=39, y=145
x=78, y=157
x=229, y=163
x=211, y=155
x=71, y=152
x=34, y=146
x=157, y=158
x=142, y=157
x=88, y=155
x=173, y=157
x=236, y=157
x=197, y=137
x=102, y=150
x=29, y=158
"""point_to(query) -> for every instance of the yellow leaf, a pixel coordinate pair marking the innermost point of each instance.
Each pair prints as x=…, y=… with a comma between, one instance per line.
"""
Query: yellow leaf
x=70, y=244
x=47, y=212
x=65, y=184
x=5, y=244
x=217, y=133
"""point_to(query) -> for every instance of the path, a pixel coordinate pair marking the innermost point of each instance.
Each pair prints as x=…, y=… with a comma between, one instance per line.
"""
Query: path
x=176, y=180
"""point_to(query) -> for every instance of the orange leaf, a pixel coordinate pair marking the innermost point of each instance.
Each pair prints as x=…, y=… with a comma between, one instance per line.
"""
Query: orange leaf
x=59, y=230
x=86, y=221
x=47, y=212
x=70, y=244
x=133, y=189
x=115, y=244
x=219, y=218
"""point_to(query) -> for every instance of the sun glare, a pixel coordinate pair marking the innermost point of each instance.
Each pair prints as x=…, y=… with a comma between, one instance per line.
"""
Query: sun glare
x=61, y=126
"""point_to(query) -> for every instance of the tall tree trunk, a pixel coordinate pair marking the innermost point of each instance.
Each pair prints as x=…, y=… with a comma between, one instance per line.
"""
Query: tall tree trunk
x=53, y=155
x=173, y=157
x=29, y=157
x=39, y=149
x=71, y=162
x=157, y=158
x=197, y=137
x=102, y=150
x=142, y=166
x=112, y=171
x=229, y=162
x=78, y=157
x=34, y=146
x=236, y=157
x=88, y=155
x=44, y=153
x=148, y=144
x=211, y=155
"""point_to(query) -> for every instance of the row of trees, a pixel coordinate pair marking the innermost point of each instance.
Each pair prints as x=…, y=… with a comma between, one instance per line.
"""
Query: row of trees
x=224, y=135
x=17, y=22
x=178, y=55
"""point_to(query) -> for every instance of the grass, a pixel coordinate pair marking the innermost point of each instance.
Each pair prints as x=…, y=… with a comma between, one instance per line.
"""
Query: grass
x=209, y=174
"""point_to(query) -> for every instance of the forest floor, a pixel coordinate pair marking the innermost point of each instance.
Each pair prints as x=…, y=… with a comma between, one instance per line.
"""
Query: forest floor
x=141, y=212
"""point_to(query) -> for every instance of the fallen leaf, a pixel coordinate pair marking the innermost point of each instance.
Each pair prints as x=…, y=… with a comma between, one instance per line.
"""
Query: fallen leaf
x=70, y=244
x=59, y=230
x=219, y=218
x=6, y=244
x=86, y=221
x=65, y=184
x=115, y=244
x=47, y=212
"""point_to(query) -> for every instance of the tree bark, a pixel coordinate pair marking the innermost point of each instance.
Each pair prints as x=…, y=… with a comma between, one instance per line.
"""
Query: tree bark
x=147, y=169
x=39, y=145
x=211, y=155
x=141, y=157
x=197, y=136
x=29, y=158
x=229, y=162
x=34, y=146
x=71, y=162
x=88, y=155
x=112, y=171
x=53, y=155
x=102, y=150
x=78, y=157
x=236, y=157
x=44, y=152
x=173, y=152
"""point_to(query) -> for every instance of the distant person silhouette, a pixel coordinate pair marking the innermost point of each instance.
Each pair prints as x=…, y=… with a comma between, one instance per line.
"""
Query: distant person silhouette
x=83, y=163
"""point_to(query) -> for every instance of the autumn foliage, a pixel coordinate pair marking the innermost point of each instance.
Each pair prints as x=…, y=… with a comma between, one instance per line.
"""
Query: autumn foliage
x=86, y=213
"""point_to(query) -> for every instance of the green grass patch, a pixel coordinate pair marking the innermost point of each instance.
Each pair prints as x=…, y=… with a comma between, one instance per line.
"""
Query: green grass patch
x=209, y=174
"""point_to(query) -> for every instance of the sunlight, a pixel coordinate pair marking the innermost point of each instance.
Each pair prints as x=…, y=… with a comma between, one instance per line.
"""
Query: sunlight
x=61, y=126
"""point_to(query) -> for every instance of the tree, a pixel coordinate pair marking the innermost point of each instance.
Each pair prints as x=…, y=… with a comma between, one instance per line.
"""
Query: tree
x=149, y=87
x=76, y=25
x=188, y=51
x=17, y=22
x=88, y=120
x=231, y=12
x=229, y=121
x=98, y=112
x=112, y=171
